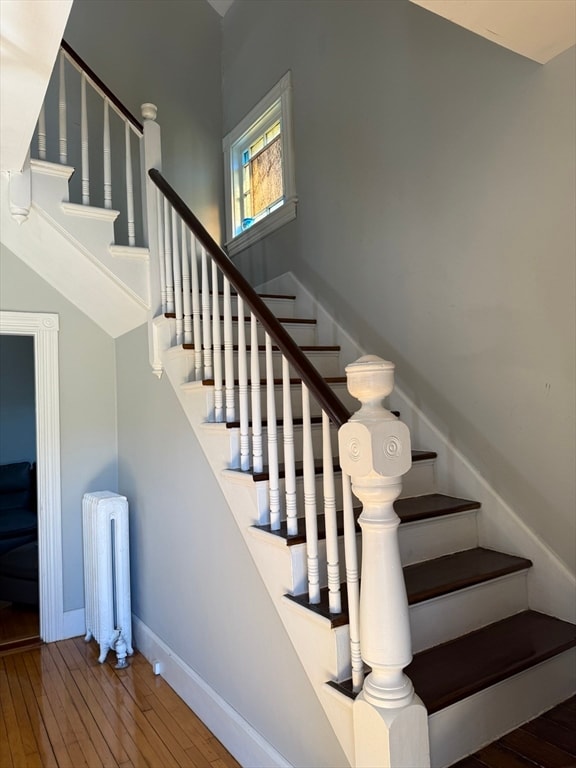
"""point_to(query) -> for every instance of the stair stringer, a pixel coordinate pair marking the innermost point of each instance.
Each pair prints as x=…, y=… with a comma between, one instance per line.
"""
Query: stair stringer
x=551, y=585
x=322, y=657
x=111, y=290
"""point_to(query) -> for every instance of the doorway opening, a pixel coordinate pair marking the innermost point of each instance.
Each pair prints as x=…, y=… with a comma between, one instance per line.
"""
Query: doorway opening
x=43, y=330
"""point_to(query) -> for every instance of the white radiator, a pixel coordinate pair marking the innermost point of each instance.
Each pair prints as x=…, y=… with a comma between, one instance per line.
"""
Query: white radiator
x=107, y=574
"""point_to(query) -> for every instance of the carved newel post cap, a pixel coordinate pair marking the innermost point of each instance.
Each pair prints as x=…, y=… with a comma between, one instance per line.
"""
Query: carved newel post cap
x=370, y=380
x=373, y=441
x=149, y=111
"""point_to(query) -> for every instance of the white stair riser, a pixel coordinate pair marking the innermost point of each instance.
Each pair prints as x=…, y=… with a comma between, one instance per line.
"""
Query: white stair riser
x=427, y=539
x=281, y=307
x=302, y=333
x=296, y=400
x=464, y=727
x=444, y=618
x=418, y=475
x=327, y=363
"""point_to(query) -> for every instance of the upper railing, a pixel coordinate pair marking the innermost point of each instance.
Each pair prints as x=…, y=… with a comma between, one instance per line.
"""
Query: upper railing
x=105, y=148
x=290, y=421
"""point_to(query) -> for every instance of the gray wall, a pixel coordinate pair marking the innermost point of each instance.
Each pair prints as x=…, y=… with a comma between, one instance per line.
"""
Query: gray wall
x=166, y=52
x=87, y=406
x=194, y=582
x=436, y=178
x=17, y=399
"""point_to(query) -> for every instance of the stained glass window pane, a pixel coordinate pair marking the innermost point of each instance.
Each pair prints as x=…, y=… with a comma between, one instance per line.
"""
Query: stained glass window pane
x=266, y=171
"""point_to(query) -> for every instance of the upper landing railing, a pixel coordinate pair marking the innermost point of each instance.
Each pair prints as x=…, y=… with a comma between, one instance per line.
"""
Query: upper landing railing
x=291, y=424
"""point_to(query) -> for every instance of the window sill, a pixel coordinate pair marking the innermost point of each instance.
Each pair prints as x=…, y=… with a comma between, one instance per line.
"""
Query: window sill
x=262, y=228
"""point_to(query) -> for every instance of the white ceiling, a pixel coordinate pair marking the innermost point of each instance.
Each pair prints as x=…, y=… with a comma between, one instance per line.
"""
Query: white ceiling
x=30, y=37
x=537, y=29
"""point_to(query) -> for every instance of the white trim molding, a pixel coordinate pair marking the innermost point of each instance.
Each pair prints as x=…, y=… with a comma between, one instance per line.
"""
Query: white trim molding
x=44, y=327
x=275, y=106
x=238, y=736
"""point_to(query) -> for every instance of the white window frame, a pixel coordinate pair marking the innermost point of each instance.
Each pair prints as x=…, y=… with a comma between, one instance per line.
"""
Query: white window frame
x=277, y=104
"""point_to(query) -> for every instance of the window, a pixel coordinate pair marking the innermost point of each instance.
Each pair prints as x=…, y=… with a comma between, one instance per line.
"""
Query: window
x=259, y=168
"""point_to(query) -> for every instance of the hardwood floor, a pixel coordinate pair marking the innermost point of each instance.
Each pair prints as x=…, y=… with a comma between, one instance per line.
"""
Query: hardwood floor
x=60, y=708
x=19, y=627
x=549, y=741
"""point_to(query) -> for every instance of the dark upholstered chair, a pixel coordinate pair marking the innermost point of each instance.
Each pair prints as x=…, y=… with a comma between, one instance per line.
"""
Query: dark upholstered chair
x=18, y=519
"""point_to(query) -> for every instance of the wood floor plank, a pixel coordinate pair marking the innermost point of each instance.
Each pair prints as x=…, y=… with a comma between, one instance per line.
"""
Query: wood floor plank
x=531, y=747
x=89, y=735
x=497, y=756
x=170, y=723
x=133, y=719
x=46, y=753
x=118, y=743
x=171, y=743
x=13, y=732
x=564, y=714
x=553, y=733
x=22, y=717
x=5, y=751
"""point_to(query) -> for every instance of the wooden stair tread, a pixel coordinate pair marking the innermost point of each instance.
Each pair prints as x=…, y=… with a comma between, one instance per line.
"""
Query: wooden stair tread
x=452, y=671
x=265, y=474
x=437, y=577
x=455, y=670
x=433, y=578
x=409, y=510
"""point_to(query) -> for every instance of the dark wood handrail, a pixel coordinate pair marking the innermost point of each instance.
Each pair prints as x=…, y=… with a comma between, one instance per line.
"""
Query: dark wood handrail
x=326, y=398
x=102, y=86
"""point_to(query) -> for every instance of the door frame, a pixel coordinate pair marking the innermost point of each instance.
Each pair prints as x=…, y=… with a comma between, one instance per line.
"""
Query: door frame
x=44, y=328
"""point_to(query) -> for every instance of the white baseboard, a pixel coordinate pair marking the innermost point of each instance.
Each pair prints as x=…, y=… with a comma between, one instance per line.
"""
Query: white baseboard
x=73, y=623
x=237, y=735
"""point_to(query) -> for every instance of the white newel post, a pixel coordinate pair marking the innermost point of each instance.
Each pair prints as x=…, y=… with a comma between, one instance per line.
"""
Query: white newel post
x=151, y=157
x=390, y=721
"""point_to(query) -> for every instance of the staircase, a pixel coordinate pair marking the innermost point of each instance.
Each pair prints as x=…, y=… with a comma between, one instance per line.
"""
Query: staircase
x=483, y=663
x=487, y=656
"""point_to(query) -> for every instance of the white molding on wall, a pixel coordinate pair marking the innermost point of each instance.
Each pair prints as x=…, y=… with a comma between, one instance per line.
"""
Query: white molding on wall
x=44, y=327
x=238, y=736
x=74, y=623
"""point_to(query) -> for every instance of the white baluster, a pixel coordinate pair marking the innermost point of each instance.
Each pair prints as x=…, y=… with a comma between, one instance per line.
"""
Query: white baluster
x=161, y=256
x=206, y=324
x=243, y=389
x=289, y=459
x=229, y=353
x=332, y=557
x=186, y=286
x=196, y=311
x=375, y=452
x=352, y=584
x=84, y=144
x=217, y=345
x=107, y=157
x=168, y=259
x=62, y=133
x=272, y=431
x=42, y=134
x=257, y=450
x=177, y=266
x=129, y=186
x=310, y=501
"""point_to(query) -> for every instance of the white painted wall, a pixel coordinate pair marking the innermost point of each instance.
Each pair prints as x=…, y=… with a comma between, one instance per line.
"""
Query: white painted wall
x=87, y=407
x=167, y=53
x=194, y=583
x=17, y=399
x=436, y=178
